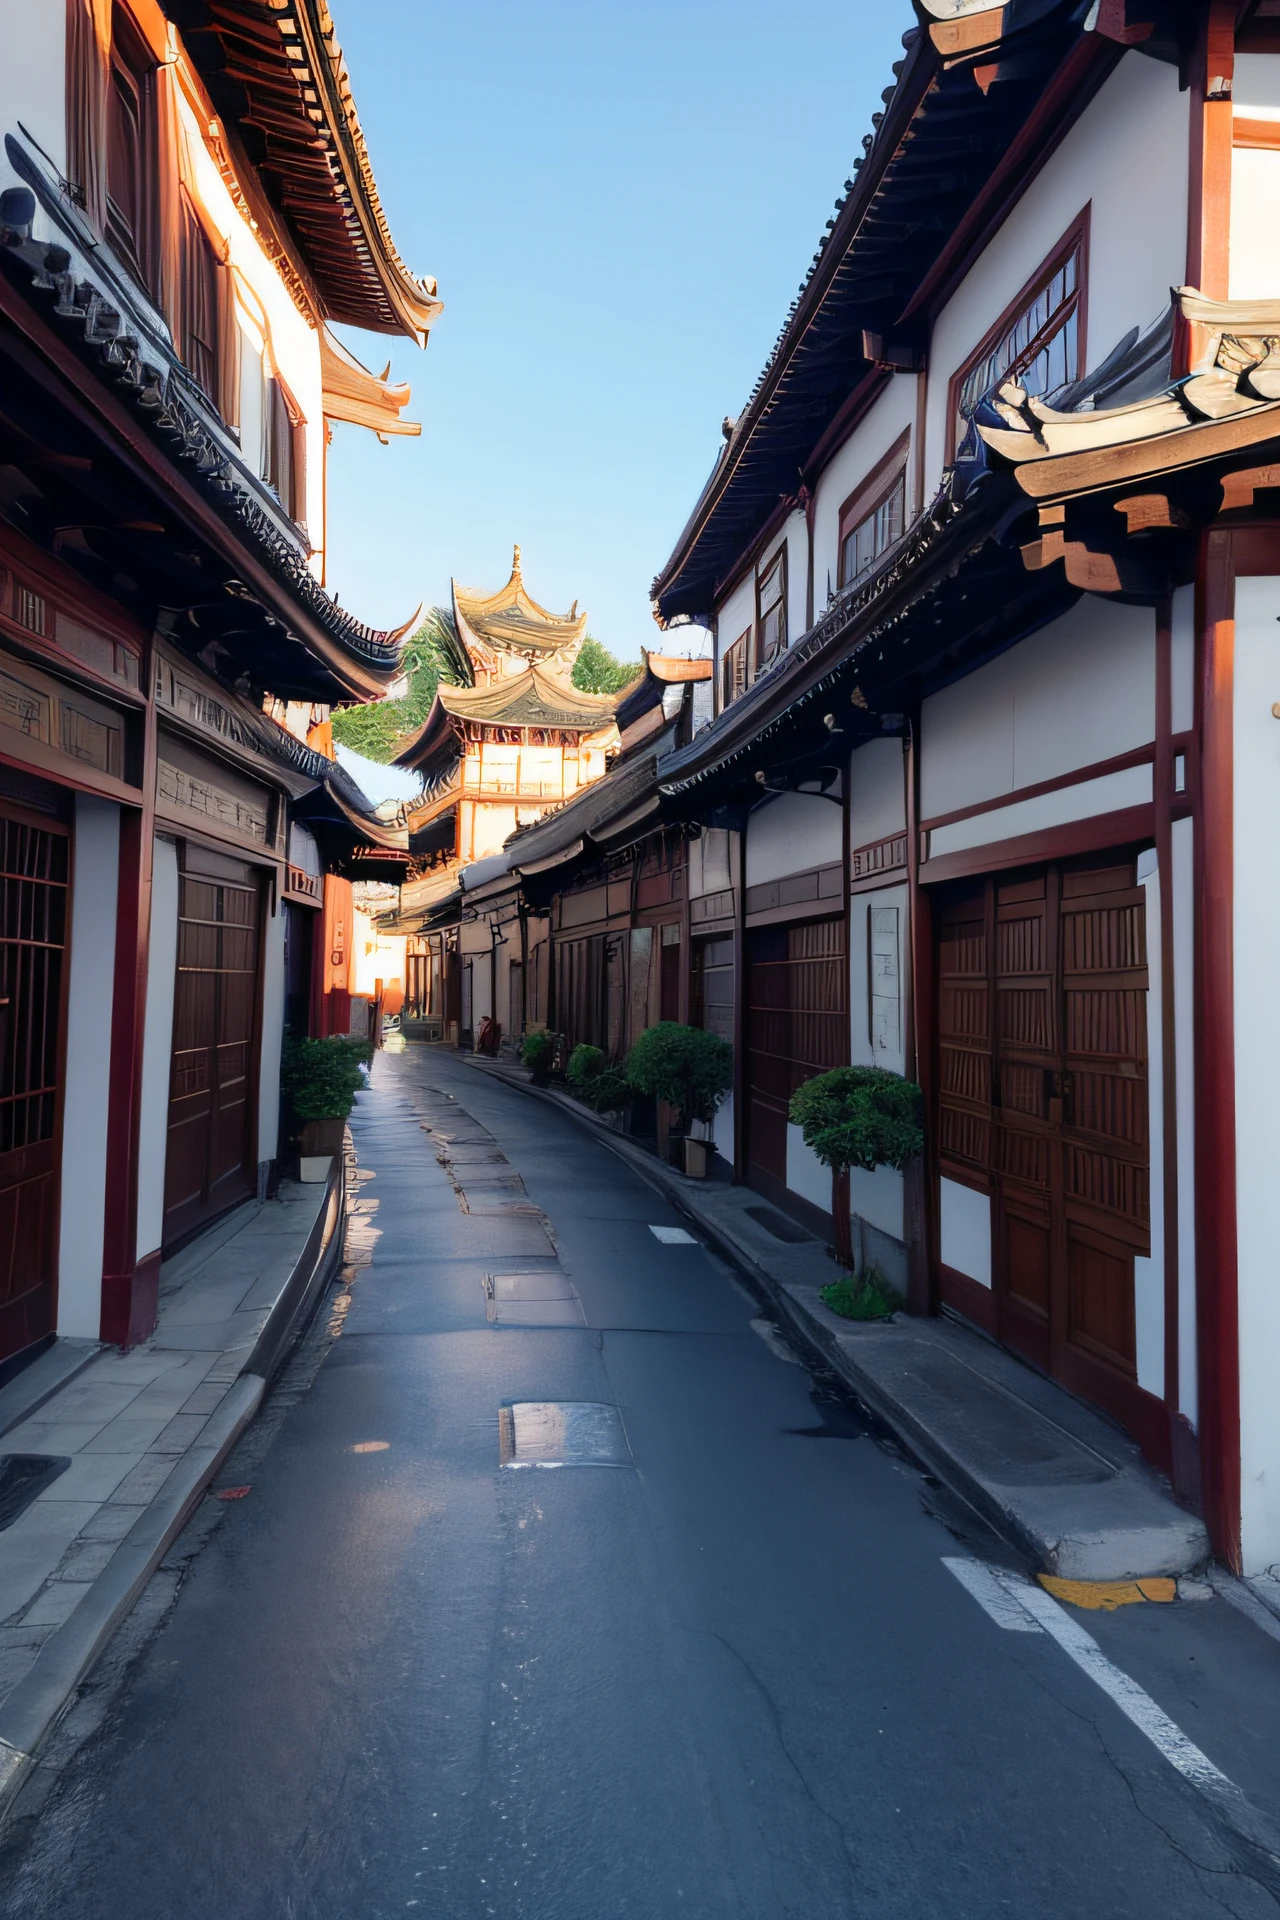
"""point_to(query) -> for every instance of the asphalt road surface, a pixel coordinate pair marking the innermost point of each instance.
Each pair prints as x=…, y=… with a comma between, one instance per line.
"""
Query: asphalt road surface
x=728, y=1675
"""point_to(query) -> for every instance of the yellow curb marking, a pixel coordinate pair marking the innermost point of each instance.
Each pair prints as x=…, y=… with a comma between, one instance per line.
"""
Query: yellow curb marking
x=1107, y=1595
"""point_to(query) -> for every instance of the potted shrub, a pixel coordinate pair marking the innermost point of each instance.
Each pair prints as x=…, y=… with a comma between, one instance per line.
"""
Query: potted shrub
x=857, y=1117
x=691, y=1070
x=539, y=1054
x=595, y=1081
x=322, y=1079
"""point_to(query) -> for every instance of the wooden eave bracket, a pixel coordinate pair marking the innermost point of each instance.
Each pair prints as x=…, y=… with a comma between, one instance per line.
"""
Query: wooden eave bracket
x=1100, y=569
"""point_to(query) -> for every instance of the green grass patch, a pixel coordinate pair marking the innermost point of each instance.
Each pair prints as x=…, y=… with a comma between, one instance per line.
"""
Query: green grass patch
x=861, y=1296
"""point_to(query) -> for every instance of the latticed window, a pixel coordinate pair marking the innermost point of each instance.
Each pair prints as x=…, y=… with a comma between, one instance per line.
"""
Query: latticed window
x=733, y=669
x=873, y=533
x=771, y=610
x=33, y=931
x=1037, y=344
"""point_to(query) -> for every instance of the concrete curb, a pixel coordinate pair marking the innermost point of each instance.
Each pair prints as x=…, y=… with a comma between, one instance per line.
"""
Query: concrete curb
x=38, y=1701
x=29, y=1713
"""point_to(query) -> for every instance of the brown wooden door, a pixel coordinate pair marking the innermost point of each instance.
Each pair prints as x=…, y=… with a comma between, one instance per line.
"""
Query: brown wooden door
x=33, y=937
x=1042, y=1076
x=797, y=1018
x=207, y=1168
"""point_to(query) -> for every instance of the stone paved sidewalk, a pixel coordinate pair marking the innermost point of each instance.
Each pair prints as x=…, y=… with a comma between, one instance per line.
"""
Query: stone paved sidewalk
x=142, y=1433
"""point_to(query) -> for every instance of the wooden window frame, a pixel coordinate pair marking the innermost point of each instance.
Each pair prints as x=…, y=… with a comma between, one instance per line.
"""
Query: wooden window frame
x=870, y=495
x=1074, y=240
x=777, y=561
x=733, y=669
x=293, y=493
x=132, y=64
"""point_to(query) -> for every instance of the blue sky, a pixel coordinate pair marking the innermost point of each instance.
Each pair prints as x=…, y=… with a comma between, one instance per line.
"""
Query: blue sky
x=619, y=203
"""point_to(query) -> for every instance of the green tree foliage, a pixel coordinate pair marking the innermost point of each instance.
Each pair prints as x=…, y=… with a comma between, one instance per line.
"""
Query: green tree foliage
x=686, y=1066
x=434, y=653
x=597, y=671
x=596, y=1082
x=859, y=1117
x=323, y=1077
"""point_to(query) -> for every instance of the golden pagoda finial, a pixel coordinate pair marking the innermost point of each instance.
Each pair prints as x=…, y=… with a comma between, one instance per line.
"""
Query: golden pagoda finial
x=515, y=562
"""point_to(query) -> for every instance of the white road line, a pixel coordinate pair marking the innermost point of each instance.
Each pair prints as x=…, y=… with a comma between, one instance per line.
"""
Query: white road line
x=673, y=1236
x=981, y=1582
x=1133, y=1701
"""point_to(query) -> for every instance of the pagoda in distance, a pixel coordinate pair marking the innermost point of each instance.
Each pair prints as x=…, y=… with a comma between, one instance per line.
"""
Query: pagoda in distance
x=517, y=741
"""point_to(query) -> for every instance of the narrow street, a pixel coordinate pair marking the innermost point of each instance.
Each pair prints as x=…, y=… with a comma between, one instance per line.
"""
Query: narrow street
x=731, y=1678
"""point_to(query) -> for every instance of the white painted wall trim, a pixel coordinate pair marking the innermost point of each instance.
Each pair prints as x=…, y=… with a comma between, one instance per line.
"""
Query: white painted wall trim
x=91, y=992
x=965, y=1230
x=1109, y=793
x=1148, y=1269
x=272, y=1035
x=157, y=1046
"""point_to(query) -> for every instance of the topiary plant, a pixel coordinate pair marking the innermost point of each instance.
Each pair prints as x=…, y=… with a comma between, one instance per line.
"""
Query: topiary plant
x=858, y=1117
x=596, y=1082
x=686, y=1066
x=538, y=1054
x=323, y=1077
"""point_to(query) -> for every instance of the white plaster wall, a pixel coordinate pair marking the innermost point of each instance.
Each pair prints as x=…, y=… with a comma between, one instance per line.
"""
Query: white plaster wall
x=295, y=345
x=791, y=834
x=91, y=990
x=1138, y=236
x=876, y=1196
x=877, y=792
x=1081, y=690
x=1109, y=793
x=272, y=1034
x=1182, y=659
x=965, y=1230
x=892, y=414
x=1184, y=978
x=32, y=83
x=862, y=1052
x=1148, y=1276
x=806, y=1174
x=157, y=1046
x=1256, y=943
x=1254, y=271
x=712, y=862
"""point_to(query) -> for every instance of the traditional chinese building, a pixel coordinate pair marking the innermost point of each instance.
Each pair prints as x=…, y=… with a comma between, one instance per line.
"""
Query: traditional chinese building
x=516, y=742
x=186, y=203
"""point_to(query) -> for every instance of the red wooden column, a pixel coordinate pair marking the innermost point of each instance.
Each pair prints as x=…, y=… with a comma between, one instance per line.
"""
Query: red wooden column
x=130, y=1289
x=1217, y=1303
x=1212, y=68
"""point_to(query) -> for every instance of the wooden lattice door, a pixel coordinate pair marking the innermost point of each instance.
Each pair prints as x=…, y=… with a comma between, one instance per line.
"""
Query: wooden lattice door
x=797, y=1018
x=33, y=936
x=207, y=1168
x=1042, y=1075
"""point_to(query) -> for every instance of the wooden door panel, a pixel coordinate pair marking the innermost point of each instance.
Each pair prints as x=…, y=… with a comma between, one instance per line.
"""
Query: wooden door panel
x=1042, y=1088
x=797, y=1025
x=1100, y=1311
x=211, y=1074
x=34, y=876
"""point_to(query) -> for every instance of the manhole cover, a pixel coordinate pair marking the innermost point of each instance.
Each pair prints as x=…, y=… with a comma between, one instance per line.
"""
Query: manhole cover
x=561, y=1433
x=23, y=1478
x=532, y=1300
x=528, y=1286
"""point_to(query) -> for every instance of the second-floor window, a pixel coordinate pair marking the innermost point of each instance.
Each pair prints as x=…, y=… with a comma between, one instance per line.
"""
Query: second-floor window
x=200, y=303
x=130, y=144
x=733, y=669
x=771, y=609
x=1038, y=341
x=871, y=530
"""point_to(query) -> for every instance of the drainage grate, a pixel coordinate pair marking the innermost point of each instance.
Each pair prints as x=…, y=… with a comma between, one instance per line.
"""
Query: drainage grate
x=778, y=1225
x=561, y=1433
x=23, y=1478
